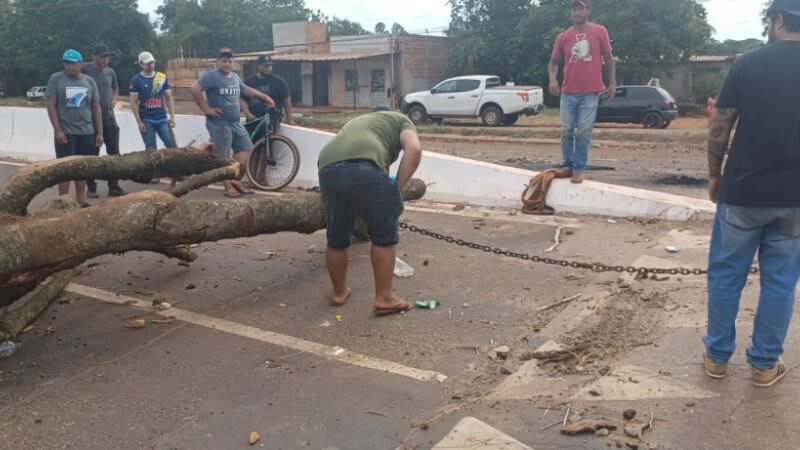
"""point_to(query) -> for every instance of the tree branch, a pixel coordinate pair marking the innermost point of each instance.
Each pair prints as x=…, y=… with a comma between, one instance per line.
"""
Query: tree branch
x=141, y=167
x=150, y=221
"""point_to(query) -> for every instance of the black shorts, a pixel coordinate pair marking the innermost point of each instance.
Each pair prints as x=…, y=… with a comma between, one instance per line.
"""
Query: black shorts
x=359, y=188
x=77, y=144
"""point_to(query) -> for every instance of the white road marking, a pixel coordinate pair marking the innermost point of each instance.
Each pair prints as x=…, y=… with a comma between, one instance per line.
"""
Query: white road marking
x=258, y=334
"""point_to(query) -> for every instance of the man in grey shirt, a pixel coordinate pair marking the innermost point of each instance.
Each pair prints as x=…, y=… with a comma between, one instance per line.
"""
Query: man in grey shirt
x=223, y=89
x=73, y=106
x=106, y=80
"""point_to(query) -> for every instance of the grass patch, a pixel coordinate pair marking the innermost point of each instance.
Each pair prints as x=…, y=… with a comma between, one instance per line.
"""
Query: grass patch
x=22, y=101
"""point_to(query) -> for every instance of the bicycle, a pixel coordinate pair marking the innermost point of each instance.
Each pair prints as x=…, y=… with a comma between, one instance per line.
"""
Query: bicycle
x=274, y=162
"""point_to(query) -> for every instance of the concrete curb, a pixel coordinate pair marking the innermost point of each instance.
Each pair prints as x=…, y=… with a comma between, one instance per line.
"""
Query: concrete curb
x=26, y=133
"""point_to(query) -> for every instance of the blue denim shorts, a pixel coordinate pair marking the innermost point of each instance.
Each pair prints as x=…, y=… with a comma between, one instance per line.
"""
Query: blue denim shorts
x=228, y=136
x=359, y=188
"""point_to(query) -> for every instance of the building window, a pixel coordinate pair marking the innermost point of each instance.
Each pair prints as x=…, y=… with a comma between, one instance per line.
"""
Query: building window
x=350, y=80
x=377, y=80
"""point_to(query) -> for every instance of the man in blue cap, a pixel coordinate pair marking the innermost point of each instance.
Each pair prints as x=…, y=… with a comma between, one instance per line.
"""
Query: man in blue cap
x=758, y=203
x=73, y=105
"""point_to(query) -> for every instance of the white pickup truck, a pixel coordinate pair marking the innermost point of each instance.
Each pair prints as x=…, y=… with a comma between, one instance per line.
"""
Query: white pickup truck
x=474, y=96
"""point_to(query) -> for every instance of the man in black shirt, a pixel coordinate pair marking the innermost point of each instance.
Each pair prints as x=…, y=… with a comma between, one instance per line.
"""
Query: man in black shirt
x=274, y=86
x=758, y=200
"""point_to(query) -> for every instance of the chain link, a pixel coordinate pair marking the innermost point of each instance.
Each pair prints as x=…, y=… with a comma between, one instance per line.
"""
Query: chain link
x=593, y=266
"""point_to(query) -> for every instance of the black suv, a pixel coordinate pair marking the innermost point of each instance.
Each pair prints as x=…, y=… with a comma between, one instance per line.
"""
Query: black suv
x=653, y=107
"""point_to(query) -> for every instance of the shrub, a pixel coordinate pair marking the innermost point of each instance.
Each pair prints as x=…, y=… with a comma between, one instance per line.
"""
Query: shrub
x=691, y=109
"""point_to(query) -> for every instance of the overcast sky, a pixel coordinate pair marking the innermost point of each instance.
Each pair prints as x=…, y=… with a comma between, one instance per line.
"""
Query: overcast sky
x=732, y=19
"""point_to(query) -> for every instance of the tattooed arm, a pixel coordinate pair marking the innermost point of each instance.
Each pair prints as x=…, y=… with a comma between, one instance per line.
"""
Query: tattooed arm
x=719, y=135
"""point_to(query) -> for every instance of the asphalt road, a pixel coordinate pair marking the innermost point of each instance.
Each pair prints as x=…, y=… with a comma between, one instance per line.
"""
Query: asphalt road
x=252, y=345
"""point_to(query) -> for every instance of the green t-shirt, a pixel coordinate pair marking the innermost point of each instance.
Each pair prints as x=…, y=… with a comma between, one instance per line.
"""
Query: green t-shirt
x=374, y=136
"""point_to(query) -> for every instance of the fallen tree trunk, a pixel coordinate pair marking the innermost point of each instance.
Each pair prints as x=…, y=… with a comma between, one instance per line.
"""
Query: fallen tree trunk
x=35, y=247
x=150, y=221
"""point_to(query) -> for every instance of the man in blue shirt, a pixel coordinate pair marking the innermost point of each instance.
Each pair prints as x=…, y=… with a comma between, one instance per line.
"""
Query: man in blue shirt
x=148, y=91
x=223, y=89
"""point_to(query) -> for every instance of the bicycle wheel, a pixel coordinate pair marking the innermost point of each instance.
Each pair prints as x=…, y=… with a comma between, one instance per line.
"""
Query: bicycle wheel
x=275, y=172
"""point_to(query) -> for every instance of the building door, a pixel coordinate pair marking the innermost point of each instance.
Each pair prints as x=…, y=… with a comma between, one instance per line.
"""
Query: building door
x=322, y=73
x=350, y=87
x=377, y=87
x=290, y=71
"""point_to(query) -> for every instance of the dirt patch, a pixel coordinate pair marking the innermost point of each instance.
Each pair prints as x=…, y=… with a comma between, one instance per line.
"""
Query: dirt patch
x=626, y=319
x=682, y=180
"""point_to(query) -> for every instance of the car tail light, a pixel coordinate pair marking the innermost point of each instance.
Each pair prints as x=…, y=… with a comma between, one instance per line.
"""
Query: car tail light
x=525, y=96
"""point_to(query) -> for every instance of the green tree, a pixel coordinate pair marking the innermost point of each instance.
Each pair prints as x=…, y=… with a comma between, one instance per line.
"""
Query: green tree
x=486, y=33
x=34, y=34
x=706, y=84
x=343, y=27
x=730, y=46
x=398, y=29
x=517, y=36
x=200, y=28
x=380, y=28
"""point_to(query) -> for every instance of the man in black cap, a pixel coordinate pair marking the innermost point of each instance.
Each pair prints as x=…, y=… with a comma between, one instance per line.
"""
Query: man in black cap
x=106, y=80
x=274, y=86
x=758, y=202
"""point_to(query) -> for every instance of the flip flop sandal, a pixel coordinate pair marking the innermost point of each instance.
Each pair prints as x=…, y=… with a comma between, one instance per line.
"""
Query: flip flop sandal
x=393, y=309
x=233, y=194
x=243, y=191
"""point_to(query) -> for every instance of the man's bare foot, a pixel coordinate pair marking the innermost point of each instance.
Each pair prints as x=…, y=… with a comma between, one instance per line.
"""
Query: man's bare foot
x=340, y=299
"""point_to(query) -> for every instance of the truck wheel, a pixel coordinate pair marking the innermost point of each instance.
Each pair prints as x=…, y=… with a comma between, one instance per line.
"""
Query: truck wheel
x=652, y=120
x=417, y=114
x=492, y=116
x=511, y=119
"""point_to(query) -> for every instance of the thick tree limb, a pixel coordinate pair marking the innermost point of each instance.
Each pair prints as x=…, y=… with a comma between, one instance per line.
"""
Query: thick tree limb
x=191, y=183
x=149, y=221
x=25, y=310
x=29, y=181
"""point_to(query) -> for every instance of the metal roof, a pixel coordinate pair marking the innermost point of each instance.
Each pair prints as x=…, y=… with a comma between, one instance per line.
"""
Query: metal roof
x=343, y=56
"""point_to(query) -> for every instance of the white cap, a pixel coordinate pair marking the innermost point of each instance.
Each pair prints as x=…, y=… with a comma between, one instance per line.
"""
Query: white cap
x=146, y=58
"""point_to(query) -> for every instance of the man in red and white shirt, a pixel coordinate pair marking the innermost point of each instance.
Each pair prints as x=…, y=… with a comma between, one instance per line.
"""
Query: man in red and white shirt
x=584, y=48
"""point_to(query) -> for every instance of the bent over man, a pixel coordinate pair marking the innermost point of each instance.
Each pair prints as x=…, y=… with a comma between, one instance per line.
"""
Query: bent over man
x=354, y=182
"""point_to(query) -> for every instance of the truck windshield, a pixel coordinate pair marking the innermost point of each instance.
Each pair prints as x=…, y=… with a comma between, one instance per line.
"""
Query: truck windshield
x=492, y=82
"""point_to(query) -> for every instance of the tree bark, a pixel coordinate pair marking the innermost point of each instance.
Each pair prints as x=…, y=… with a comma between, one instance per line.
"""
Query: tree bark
x=141, y=167
x=34, y=247
x=150, y=221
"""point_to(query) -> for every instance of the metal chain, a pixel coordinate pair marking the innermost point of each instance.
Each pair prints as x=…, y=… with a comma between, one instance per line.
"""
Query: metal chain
x=594, y=266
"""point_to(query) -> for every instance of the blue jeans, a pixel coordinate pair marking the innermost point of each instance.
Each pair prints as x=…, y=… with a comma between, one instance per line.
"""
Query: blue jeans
x=149, y=136
x=578, y=112
x=738, y=232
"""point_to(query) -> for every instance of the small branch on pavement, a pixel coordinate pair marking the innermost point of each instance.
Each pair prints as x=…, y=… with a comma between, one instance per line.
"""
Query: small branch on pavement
x=556, y=238
x=559, y=303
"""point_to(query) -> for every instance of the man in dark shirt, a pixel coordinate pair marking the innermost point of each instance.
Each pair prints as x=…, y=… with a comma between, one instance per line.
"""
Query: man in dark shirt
x=106, y=80
x=267, y=82
x=758, y=202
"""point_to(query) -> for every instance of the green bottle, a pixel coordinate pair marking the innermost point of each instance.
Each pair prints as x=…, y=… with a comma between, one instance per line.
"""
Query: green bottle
x=428, y=304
